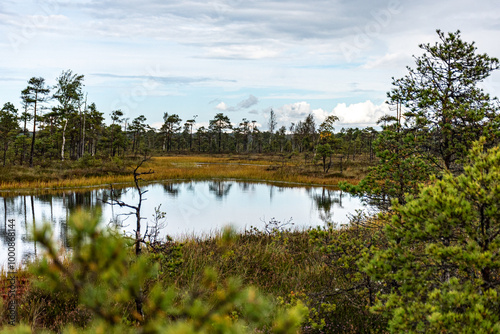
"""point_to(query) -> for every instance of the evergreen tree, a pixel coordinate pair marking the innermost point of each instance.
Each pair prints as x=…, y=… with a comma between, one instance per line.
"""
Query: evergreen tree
x=35, y=93
x=217, y=125
x=442, y=254
x=137, y=127
x=169, y=128
x=399, y=171
x=9, y=128
x=443, y=104
x=115, y=131
x=326, y=140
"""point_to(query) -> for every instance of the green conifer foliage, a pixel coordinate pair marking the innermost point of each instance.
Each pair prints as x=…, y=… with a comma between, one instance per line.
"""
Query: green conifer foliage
x=443, y=253
x=399, y=171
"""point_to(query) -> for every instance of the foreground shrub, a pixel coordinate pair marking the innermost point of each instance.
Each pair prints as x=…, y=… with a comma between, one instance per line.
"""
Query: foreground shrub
x=351, y=291
x=104, y=277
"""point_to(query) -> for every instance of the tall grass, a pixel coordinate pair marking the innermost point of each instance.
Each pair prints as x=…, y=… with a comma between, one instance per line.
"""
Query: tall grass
x=278, y=262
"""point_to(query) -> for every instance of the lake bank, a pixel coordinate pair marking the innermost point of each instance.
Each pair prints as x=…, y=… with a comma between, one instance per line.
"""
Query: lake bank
x=197, y=167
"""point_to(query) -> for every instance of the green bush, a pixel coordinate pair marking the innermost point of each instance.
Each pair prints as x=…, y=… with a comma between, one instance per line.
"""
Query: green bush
x=351, y=290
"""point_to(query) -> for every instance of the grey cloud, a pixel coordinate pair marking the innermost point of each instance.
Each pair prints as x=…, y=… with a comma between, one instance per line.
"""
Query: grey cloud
x=215, y=101
x=245, y=104
x=233, y=20
x=251, y=101
x=219, y=22
x=164, y=80
x=251, y=30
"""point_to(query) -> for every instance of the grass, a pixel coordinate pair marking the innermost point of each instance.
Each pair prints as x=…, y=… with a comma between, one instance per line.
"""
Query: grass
x=277, y=263
x=281, y=262
x=250, y=167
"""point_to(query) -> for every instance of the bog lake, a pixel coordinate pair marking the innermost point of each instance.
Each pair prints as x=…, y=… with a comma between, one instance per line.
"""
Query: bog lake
x=192, y=209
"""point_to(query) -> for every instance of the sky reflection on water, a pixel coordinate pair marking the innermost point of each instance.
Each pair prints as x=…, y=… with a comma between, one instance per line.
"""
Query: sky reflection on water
x=192, y=208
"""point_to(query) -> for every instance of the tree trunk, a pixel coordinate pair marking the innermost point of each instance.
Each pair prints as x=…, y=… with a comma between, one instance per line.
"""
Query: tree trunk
x=34, y=131
x=82, y=151
x=63, y=140
x=5, y=148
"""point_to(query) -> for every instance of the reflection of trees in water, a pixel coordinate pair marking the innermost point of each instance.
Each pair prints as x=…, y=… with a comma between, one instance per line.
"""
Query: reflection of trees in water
x=220, y=188
x=33, y=216
x=309, y=190
x=74, y=200
x=326, y=201
x=172, y=189
x=190, y=186
x=246, y=186
x=30, y=211
x=25, y=237
x=106, y=195
x=377, y=203
x=26, y=210
x=44, y=198
x=8, y=206
x=3, y=227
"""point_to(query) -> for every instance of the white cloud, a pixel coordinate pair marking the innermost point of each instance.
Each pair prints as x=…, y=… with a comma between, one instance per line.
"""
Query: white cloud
x=221, y=106
x=157, y=125
x=389, y=60
x=360, y=114
x=357, y=114
x=241, y=52
x=295, y=112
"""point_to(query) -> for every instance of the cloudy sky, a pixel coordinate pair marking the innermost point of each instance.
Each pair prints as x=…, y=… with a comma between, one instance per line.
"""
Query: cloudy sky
x=238, y=57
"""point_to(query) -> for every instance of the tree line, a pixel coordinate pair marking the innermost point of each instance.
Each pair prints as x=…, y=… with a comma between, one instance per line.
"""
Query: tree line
x=59, y=123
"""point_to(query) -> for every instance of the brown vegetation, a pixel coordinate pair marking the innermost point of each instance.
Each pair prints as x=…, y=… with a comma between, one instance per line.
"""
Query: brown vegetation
x=291, y=168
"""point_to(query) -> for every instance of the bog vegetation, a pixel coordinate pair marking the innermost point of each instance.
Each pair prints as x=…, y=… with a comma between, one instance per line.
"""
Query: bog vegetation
x=429, y=262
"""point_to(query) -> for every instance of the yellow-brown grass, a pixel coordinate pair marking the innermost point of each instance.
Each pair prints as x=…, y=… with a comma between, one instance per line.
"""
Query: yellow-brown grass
x=198, y=168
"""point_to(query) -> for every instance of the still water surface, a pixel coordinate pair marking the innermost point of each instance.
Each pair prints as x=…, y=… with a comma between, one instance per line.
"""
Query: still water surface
x=192, y=208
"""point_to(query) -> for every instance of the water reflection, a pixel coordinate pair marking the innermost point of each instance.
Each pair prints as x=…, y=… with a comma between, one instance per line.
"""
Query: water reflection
x=326, y=201
x=192, y=207
x=171, y=188
x=220, y=188
x=247, y=186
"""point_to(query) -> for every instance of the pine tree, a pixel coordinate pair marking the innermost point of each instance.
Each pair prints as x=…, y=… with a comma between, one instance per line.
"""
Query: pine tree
x=442, y=103
x=442, y=253
x=35, y=93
